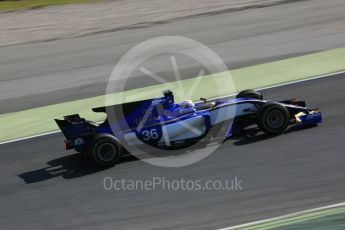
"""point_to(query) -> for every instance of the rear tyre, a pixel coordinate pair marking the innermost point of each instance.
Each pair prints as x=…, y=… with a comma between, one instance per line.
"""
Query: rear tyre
x=273, y=118
x=106, y=150
x=249, y=93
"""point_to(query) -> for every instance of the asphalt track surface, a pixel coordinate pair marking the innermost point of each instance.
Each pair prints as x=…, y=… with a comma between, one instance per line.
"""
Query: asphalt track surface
x=45, y=73
x=42, y=187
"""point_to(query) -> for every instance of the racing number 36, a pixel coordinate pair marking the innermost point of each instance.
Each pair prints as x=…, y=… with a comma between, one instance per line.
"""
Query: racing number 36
x=148, y=135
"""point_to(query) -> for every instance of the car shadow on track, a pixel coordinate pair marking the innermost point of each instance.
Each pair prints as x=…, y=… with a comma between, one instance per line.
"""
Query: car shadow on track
x=68, y=167
x=75, y=165
x=254, y=135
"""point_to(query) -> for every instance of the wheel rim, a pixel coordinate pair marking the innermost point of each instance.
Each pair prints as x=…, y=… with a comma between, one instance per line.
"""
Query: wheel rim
x=107, y=152
x=275, y=119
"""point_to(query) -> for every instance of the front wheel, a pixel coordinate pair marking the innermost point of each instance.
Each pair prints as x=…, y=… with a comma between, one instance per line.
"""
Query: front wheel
x=106, y=150
x=249, y=93
x=273, y=118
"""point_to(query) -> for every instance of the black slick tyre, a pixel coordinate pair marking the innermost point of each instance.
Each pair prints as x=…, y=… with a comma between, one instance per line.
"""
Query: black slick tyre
x=105, y=150
x=249, y=93
x=273, y=118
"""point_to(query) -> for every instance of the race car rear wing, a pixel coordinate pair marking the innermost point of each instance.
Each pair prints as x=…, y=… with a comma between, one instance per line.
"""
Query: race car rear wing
x=73, y=126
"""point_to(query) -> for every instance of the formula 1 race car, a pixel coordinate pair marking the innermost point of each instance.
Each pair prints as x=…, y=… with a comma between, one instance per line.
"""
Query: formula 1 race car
x=162, y=123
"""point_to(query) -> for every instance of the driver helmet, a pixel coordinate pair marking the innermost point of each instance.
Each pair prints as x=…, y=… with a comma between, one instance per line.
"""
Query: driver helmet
x=187, y=104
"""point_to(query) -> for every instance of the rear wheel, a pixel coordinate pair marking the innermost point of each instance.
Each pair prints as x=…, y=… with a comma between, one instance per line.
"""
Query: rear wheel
x=273, y=118
x=249, y=93
x=106, y=150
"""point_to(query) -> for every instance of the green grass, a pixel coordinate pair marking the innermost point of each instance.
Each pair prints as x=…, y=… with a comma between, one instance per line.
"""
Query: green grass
x=329, y=222
x=330, y=219
x=12, y=5
x=40, y=120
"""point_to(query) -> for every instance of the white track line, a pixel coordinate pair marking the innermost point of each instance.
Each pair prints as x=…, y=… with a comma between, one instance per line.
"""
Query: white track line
x=251, y=224
x=29, y=137
x=269, y=87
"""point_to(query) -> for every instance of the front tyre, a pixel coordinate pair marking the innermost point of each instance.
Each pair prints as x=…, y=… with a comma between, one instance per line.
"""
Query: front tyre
x=106, y=150
x=249, y=93
x=273, y=118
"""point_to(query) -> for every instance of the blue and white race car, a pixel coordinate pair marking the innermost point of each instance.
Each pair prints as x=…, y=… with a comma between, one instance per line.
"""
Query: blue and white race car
x=162, y=123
